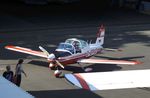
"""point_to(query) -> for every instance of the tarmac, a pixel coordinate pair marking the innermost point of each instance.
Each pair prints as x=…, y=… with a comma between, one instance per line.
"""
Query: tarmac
x=31, y=26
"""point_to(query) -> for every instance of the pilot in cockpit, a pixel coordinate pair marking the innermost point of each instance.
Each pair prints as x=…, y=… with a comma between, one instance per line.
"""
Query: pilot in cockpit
x=77, y=46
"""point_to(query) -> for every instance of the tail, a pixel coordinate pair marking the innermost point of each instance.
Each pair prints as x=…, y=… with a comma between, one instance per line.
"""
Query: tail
x=100, y=35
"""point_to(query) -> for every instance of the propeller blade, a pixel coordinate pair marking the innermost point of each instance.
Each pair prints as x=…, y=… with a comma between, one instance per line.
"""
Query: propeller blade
x=59, y=64
x=44, y=51
x=51, y=56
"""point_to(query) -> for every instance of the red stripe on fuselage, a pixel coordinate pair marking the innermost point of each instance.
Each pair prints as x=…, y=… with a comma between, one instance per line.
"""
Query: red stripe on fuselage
x=74, y=58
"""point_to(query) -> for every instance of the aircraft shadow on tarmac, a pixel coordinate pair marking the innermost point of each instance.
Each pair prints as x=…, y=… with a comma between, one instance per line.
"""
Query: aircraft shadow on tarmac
x=71, y=93
x=101, y=67
x=122, y=58
x=74, y=69
x=78, y=69
x=39, y=63
x=96, y=67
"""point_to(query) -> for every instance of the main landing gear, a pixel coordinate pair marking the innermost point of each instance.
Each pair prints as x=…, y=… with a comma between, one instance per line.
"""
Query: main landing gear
x=88, y=69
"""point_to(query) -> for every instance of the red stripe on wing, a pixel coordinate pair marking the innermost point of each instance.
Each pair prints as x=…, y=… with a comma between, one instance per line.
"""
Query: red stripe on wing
x=82, y=81
x=109, y=61
x=25, y=50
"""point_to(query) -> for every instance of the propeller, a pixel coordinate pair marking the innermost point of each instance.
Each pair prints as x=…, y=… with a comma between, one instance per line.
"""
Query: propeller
x=59, y=64
x=44, y=51
x=51, y=56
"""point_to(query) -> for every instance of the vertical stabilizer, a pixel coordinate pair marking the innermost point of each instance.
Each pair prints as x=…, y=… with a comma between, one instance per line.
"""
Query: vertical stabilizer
x=100, y=35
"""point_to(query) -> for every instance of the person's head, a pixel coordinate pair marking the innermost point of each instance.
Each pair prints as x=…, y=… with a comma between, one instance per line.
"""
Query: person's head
x=8, y=68
x=20, y=61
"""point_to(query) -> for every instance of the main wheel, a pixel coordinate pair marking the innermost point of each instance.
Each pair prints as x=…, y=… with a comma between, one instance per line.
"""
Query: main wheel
x=88, y=69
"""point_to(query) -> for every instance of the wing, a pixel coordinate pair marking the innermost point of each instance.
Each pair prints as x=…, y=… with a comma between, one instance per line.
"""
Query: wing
x=10, y=90
x=26, y=50
x=110, y=80
x=101, y=61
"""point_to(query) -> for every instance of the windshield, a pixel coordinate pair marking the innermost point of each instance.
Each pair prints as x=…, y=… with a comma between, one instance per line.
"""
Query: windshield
x=61, y=53
x=77, y=42
x=66, y=46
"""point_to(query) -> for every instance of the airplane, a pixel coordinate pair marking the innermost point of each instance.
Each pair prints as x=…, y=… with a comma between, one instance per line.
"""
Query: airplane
x=9, y=90
x=73, y=51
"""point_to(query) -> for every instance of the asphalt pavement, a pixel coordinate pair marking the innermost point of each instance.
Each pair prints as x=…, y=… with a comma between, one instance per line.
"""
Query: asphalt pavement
x=31, y=26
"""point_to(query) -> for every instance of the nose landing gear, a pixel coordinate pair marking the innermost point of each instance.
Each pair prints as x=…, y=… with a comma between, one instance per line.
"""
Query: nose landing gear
x=58, y=73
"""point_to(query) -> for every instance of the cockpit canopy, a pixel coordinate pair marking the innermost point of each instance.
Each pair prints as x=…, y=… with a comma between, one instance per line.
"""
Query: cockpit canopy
x=70, y=46
x=77, y=42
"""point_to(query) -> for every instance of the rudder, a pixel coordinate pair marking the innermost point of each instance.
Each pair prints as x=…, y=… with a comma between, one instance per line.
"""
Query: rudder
x=100, y=35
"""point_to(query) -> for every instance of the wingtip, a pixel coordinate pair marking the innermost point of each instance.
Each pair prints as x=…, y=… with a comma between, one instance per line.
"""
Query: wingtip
x=9, y=46
x=138, y=62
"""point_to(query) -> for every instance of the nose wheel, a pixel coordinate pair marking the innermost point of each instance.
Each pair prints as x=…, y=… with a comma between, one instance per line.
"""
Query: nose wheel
x=58, y=73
